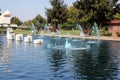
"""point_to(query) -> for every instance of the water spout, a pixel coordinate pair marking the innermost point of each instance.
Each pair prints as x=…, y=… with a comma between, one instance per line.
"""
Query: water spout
x=33, y=29
x=46, y=28
x=67, y=44
x=58, y=33
x=95, y=31
x=81, y=31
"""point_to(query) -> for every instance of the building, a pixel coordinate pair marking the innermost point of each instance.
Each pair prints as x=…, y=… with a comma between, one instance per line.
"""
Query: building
x=5, y=21
x=114, y=27
x=5, y=18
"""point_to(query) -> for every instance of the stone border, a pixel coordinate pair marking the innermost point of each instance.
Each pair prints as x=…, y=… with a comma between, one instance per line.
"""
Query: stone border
x=88, y=37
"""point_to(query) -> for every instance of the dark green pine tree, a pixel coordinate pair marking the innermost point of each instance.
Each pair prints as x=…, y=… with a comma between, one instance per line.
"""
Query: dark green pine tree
x=58, y=13
x=99, y=11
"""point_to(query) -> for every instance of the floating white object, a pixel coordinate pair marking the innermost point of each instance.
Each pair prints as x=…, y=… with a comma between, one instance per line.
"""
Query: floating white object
x=28, y=39
x=38, y=41
x=10, y=34
x=19, y=37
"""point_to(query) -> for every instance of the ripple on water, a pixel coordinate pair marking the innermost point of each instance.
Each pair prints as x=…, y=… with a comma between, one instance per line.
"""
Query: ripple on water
x=36, y=62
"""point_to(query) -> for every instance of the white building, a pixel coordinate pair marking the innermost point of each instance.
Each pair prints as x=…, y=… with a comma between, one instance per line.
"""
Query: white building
x=5, y=17
x=5, y=21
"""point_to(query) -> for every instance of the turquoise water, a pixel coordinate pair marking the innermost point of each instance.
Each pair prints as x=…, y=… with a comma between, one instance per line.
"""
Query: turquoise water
x=21, y=61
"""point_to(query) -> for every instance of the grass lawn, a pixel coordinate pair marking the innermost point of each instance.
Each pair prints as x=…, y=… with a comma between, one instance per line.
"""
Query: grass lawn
x=72, y=32
x=22, y=31
x=65, y=32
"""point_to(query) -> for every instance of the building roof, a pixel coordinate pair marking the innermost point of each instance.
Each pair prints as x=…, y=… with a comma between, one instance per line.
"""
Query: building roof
x=6, y=13
x=22, y=27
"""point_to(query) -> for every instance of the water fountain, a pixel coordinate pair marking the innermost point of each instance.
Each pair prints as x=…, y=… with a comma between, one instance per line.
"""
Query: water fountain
x=70, y=44
x=33, y=29
x=41, y=34
x=46, y=30
x=67, y=44
x=58, y=33
x=78, y=26
x=95, y=32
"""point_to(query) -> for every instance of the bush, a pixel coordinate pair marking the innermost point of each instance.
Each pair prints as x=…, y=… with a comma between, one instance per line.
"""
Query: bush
x=67, y=26
x=104, y=32
x=118, y=34
x=107, y=34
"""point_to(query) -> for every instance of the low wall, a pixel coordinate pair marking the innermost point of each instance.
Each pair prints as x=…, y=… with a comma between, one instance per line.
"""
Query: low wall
x=114, y=29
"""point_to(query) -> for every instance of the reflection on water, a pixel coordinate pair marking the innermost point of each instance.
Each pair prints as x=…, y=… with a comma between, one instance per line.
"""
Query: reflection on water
x=19, y=61
x=5, y=58
x=5, y=55
x=90, y=67
x=57, y=63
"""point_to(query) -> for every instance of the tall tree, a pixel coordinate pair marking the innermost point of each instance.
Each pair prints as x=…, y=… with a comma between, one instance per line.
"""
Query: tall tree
x=38, y=21
x=99, y=11
x=72, y=15
x=15, y=20
x=58, y=13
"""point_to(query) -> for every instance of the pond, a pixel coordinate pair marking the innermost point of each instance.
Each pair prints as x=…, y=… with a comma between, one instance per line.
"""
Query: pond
x=23, y=61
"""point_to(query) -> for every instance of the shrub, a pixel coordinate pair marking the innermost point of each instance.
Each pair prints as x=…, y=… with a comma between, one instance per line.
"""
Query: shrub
x=67, y=26
x=107, y=34
x=118, y=34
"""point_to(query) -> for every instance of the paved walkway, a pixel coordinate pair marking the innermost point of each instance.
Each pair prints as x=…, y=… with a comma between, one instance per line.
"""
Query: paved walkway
x=88, y=37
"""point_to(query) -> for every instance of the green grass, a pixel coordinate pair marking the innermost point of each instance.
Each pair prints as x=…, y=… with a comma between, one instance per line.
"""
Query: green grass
x=72, y=32
x=64, y=32
x=22, y=31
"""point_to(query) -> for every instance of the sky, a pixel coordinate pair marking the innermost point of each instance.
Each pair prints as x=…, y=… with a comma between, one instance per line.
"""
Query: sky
x=27, y=9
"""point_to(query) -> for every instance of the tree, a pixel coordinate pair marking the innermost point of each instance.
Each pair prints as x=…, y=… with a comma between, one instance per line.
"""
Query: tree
x=27, y=23
x=58, y=13
x=99, y=11
x=71, y=19
x=38, y=21
x=72, y=15
x=117, y=16
x=15, y=20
